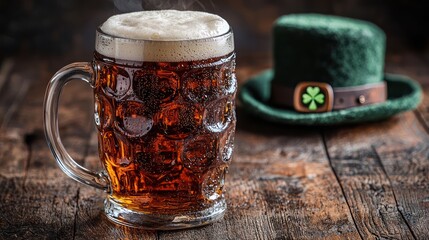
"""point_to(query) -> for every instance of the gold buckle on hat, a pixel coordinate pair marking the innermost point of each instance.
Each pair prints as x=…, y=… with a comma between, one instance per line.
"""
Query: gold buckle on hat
x=314, y=97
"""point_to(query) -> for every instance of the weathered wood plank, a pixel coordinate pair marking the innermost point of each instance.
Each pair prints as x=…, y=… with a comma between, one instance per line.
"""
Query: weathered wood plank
x=14, y=153
x=74, y=121
x=408, y=169
x=41, y=199
x=408, y=174
x=14, y=147
x=36, y=209
x=368, y=160
x=13, y=86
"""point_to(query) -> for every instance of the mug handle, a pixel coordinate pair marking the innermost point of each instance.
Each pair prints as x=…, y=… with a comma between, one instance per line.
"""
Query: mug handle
x=85, y=72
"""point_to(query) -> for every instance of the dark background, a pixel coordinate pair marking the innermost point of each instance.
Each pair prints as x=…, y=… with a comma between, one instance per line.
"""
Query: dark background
x=45, y=27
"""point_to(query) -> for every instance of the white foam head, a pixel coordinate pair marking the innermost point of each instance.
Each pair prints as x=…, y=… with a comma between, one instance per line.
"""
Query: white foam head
x=164, y=35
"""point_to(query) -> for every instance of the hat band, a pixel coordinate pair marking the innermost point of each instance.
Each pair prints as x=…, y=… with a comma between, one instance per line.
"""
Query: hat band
x=321, y=97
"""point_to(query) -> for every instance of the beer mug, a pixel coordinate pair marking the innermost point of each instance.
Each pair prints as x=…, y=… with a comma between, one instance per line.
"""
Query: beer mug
x=164, y=88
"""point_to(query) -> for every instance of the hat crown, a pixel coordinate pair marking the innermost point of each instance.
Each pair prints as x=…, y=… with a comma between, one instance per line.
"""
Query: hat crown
x=319, y=48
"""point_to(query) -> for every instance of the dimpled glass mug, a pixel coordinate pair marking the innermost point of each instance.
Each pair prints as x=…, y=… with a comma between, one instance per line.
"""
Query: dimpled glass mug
x=164, y=88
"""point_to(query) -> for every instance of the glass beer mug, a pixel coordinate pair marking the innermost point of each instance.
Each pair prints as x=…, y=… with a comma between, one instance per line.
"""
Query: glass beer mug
x=164, y=88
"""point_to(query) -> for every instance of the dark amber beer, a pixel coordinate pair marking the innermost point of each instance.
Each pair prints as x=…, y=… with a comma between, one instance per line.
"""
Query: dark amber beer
x=165, y=131
x=164, y=88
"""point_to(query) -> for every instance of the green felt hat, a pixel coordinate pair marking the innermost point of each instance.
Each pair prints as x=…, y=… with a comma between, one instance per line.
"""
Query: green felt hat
x=328, y=70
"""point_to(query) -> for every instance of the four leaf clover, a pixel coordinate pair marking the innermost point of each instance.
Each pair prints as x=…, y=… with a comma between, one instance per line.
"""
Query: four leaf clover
x=313, y=96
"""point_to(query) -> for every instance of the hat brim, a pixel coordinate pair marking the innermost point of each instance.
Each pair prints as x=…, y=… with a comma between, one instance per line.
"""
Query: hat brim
x=403, y=94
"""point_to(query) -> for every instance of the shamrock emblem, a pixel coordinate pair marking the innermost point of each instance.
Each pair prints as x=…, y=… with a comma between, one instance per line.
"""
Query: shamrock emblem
x=311, y=96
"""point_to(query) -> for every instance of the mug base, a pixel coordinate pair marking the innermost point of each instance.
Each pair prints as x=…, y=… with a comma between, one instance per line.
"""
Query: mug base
x=123, y=216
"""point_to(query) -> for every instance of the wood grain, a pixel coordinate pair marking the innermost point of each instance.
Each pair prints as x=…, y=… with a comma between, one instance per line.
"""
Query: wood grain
x=368, y=181
x=13, y=86
x=41, y=199
x=368, y=160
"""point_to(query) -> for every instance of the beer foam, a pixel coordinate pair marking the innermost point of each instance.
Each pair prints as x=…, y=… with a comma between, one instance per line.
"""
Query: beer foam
x=169, y=35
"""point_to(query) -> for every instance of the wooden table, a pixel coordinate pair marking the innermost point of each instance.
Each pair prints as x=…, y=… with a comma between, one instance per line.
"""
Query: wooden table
x=368, y=181
x=365, y=181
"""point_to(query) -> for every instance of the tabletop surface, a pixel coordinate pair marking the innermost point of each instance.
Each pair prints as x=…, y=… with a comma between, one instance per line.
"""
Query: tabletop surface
x=362, y=181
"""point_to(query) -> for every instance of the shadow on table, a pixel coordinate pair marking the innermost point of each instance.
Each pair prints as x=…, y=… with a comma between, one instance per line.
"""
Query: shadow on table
x=250, y=123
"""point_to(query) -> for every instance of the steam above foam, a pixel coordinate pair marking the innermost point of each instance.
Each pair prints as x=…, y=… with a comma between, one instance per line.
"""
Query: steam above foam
x=171, y=36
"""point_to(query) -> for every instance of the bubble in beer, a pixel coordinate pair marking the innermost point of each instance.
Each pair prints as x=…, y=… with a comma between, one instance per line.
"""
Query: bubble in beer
x=201, y=85
x=132, y=119
x=102, y=112
x=155, y=86
x=200, y=152
x=179, y=120
x=115, y=81
x=218, y=114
